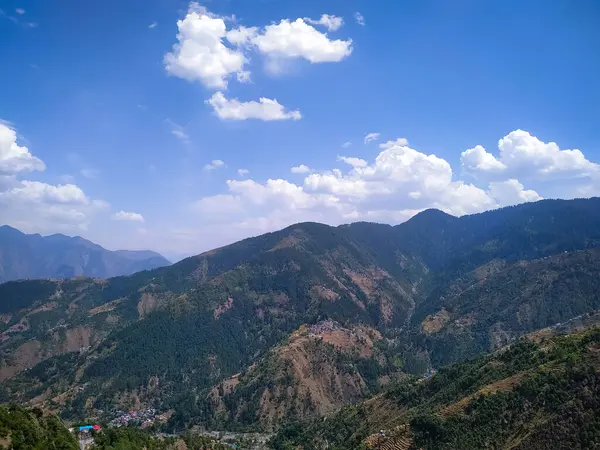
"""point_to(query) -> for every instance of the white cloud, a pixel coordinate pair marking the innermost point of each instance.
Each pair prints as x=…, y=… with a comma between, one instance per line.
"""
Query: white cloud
x=20, y=11
x=243, y=172
x=15, y=159
x=297, y=39
x=354, y=162
x=128, y=216
x=152, y=25
x=511, y=192
x=476, y=159
x=332, y=23
x=36, y=192
x=34, y=206
x=347, y=144
x=242, y=36
x=397, y=184
x=400, y=182
x=525, y=156
x=359, y=18
x=371, y=137
x=244, y=77
x=38, y=207
x=200, y=55
x=208, y=52
x=265, y=109
x=300, y=169
x=214, y=164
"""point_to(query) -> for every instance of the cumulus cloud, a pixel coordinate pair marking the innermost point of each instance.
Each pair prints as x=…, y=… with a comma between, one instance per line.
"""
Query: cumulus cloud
x=214, y=164
x=14, y=158
x=392, y=187
x=371, y=137
x=201, y=54
x=332, y=23
x=34, y=206
x=359, y=18
x=297, y=39
x=511, y=192
x=152, y=25
x=476, y=159
x=525, y=156
x=300, y=169
x=128, y=216
x=265, y=109
x=36, y=192
x=243, y=172
x=354, y=162
x=209, y=52
x=400, y=182
x=242, y=36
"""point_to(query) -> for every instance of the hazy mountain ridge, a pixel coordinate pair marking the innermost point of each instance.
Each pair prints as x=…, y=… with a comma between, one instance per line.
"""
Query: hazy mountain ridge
x=26, y=256
x=170, y=336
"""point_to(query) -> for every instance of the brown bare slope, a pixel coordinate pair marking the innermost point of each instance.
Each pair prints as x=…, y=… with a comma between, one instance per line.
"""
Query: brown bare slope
x=521, y=397
x=317, y=370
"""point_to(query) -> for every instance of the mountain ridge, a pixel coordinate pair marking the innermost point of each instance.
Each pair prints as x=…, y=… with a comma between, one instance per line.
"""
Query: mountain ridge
x=168, y=337
x=25, y=256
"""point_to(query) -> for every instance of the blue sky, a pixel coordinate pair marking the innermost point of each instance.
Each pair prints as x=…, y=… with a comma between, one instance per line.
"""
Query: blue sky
x=114, y=112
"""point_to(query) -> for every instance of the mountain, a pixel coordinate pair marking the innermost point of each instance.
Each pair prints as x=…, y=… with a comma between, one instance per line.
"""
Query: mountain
x=530, y=395
x=241, y=337
x=315, y=371
x=59, y=256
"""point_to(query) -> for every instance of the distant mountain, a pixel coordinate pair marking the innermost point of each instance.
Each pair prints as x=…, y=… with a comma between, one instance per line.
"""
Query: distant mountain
x=233, y=338
x=58, y=256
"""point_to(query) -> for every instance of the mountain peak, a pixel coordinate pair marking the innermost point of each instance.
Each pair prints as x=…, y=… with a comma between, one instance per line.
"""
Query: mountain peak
x=59, y=256
x=431, y=214
x=9, y=229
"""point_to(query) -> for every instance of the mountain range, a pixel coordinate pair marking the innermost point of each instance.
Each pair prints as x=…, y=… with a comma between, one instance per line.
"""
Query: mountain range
x=294, y=324
x=59, y=256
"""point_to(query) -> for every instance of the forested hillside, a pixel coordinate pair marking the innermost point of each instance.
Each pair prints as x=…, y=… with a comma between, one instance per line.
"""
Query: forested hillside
x=434, y=290
x=527, y=396
x=22, y=429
